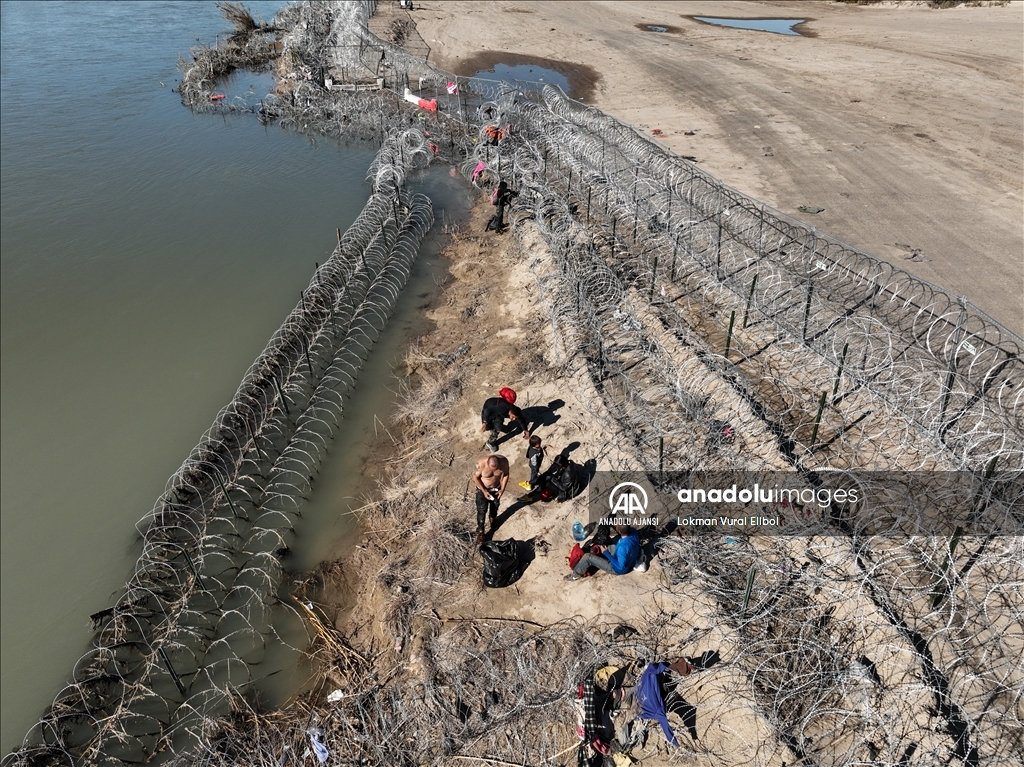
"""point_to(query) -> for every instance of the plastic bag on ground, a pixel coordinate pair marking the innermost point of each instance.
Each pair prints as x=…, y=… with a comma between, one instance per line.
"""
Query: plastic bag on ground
x=502, y=564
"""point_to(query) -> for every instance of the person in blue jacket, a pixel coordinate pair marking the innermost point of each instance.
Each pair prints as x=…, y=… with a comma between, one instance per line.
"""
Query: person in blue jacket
x=618, y=558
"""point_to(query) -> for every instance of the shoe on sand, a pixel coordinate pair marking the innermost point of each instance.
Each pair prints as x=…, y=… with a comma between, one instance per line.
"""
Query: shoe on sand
x=479, y=537
x=573, y=577
x=491, y=446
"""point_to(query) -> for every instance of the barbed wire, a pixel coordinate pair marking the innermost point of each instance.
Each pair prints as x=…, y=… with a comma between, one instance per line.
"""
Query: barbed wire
x=686, y=305
x=195, y=617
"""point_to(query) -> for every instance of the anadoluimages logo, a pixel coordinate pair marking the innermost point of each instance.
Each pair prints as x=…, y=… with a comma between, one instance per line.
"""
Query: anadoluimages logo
x=628, y=503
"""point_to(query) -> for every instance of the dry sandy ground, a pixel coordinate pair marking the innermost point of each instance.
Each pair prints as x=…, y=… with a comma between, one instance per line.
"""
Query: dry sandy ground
x=493, y=302
x=512, y=344
x=903, y=122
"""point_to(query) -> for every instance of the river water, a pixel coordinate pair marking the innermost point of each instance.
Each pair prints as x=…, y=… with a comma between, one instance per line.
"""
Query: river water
x=147, y=256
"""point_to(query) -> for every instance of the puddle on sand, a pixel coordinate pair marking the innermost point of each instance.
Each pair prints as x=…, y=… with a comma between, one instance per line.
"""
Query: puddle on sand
x=532, y=72
x=661, y=28
x=776, y=26
x=526, y=75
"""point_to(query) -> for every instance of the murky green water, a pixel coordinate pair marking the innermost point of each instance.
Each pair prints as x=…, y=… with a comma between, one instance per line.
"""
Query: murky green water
x=147, y=256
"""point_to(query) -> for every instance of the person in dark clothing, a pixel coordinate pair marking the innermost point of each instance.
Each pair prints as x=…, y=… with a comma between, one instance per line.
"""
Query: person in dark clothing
x=560, y=479
x=494, y=413
x=505, y=196
x=494, y=134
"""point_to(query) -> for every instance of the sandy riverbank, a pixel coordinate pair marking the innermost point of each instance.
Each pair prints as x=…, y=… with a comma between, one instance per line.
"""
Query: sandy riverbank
x=428, y=666
x=903, y=122
x=417, y=574
x=926, y=177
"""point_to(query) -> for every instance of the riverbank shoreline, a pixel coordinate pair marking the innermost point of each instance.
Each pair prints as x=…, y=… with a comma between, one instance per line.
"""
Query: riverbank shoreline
x=416, y=572
x=621, y=345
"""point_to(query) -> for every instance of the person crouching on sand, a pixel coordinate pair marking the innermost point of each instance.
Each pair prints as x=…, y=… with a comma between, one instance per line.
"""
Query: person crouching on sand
x=490, y=478
x=494, y=413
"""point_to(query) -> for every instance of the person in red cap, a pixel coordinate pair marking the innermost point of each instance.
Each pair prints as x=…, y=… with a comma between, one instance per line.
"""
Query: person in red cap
x=494, y=413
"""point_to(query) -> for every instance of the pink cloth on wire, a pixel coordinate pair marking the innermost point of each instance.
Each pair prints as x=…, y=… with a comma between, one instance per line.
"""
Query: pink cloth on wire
x=480, y=168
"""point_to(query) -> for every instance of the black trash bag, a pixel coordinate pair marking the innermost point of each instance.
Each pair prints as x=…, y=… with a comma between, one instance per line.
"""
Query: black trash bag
x=502, y=563
x=602, y=535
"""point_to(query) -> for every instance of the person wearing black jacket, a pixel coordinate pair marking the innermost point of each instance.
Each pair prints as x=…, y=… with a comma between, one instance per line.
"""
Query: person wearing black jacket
x=561, y=478
x=504, y=198
x=494, y=413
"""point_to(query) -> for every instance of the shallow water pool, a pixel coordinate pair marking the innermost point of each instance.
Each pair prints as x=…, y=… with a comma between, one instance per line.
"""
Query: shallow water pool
x=776, y=26
x=527, y=76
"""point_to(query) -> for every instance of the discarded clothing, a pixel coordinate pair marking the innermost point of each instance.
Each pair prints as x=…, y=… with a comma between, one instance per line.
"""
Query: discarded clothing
x=503, y=564
x=603, y=675
x=652, y=705
x=682, y=666
x=589, y=708
x=316, y=740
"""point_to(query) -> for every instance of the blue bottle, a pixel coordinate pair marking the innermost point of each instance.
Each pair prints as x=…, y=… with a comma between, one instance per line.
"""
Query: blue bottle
x=578, y=533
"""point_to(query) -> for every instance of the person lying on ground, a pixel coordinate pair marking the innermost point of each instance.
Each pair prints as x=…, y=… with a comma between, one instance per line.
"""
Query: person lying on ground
x=618, y=558
x=490, y=478
x=494, y=413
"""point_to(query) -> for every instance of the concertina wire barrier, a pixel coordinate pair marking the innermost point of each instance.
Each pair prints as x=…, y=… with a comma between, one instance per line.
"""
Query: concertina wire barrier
x=652, y=257
x=194, y=619
x=687, y=303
